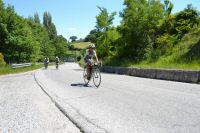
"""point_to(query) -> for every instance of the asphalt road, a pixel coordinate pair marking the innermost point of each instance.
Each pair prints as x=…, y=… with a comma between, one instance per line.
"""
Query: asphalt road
x=123, y=104
x=25, y=108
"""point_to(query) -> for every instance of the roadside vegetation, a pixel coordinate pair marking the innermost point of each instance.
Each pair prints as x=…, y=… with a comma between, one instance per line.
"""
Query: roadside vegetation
x=81, y=45
x=149, y=36
x=6, y=69
x=29, y=39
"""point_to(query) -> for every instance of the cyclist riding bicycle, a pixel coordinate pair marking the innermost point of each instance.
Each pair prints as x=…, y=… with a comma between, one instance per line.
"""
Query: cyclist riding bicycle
x=89, y=59
x=46, y=62
x=57, y=61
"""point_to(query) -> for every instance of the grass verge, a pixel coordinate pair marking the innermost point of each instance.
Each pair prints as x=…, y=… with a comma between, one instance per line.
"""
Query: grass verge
x=158, y=65
x=8, y=70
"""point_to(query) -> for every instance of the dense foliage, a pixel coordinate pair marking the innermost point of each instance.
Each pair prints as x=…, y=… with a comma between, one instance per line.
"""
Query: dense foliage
x=26, y=39
x=148, y=32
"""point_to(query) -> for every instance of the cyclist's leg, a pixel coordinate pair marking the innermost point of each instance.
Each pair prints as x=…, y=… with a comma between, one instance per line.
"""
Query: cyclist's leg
x=89, y=69
x=91, y=65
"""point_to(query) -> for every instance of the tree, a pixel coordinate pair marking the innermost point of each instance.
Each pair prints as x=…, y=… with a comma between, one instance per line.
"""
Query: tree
x=139, y=22
x=166, y=25
x=50, y=26
x=41, y=36
x=47, y=19
x=107, y=43
x=19, y=44
x=26, y=40
x=168, y=7
x=36, y=18
x=104, y=22
x=73, y=38
x=93, y=36
x=3, y=27
x=185, y=20
x=1, y=5
x=60, y=46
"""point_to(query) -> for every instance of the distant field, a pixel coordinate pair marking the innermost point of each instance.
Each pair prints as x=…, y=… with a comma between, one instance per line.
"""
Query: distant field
x=81, y=45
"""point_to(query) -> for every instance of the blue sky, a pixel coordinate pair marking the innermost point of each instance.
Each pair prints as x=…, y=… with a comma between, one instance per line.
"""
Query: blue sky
x=77, y=17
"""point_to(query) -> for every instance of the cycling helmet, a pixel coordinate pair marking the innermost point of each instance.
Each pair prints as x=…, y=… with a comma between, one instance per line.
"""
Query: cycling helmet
x=92, y=46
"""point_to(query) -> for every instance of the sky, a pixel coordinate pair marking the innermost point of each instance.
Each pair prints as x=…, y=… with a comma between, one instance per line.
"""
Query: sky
x=77, y=17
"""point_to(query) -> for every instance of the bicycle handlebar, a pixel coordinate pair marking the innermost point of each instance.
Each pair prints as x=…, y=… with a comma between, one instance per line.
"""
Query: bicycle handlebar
x=97, y=64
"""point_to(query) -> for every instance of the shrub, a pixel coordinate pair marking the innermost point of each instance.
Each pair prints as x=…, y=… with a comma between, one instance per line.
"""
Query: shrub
x=166, y=43
x=2, y=62
x=79, y=58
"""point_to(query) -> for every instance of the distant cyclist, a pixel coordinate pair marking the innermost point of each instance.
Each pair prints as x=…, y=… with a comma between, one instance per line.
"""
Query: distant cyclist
x=89, y=59
x=57, y=61
x=46, y=62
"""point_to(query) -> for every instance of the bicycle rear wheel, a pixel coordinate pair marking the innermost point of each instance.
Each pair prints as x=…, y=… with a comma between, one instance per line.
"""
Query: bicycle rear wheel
x=85, y=76
x=97, y=77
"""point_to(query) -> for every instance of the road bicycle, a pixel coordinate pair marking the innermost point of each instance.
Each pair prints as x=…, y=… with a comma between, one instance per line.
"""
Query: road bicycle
x=96, y=75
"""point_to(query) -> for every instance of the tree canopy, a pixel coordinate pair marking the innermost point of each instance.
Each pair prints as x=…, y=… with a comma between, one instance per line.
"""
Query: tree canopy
x=73, y=38
x=26, y=39
x=148, y=30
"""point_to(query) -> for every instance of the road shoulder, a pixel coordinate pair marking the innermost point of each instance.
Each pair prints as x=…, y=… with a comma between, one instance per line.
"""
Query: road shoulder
x=24, y=107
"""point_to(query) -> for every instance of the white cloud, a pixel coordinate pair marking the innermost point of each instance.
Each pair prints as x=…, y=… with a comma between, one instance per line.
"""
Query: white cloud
x=73, y=29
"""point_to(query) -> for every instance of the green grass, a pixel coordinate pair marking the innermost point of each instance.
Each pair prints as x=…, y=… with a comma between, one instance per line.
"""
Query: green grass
x=163, y=63
x=81, y=45
x=181, y=54
x=8, y=70
x=160, y=65
x=184, y=55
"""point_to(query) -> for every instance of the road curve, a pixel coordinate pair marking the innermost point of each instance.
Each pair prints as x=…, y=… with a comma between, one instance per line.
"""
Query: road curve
x=123, y=104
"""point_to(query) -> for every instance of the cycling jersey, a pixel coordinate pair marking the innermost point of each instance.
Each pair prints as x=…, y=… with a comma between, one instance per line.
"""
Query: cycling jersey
x=89, y=55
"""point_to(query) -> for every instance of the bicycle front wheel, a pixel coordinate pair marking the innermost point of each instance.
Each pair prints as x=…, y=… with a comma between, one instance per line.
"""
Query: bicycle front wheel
x=97, y=77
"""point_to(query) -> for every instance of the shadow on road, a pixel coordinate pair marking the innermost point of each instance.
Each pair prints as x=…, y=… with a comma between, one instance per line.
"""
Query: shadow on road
x=80, y=85
x=52, y=69
x=78, y=69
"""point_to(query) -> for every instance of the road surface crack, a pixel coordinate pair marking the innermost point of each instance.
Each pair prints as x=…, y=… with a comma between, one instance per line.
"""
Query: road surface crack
x=55, y=103
x=66, y=113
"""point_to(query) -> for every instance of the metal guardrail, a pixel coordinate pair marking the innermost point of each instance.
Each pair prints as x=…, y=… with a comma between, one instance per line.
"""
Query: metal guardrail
x=70, y=59
x=21, y=65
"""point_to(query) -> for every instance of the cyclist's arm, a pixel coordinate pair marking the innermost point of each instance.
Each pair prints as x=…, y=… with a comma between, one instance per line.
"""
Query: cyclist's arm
x=95, y=54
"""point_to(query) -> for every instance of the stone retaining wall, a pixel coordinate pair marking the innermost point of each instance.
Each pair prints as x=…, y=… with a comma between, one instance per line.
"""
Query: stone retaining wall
x=164, y=74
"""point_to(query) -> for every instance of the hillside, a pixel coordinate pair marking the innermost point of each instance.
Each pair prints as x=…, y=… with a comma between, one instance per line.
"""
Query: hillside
x=81, y=45
x=185, y=55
